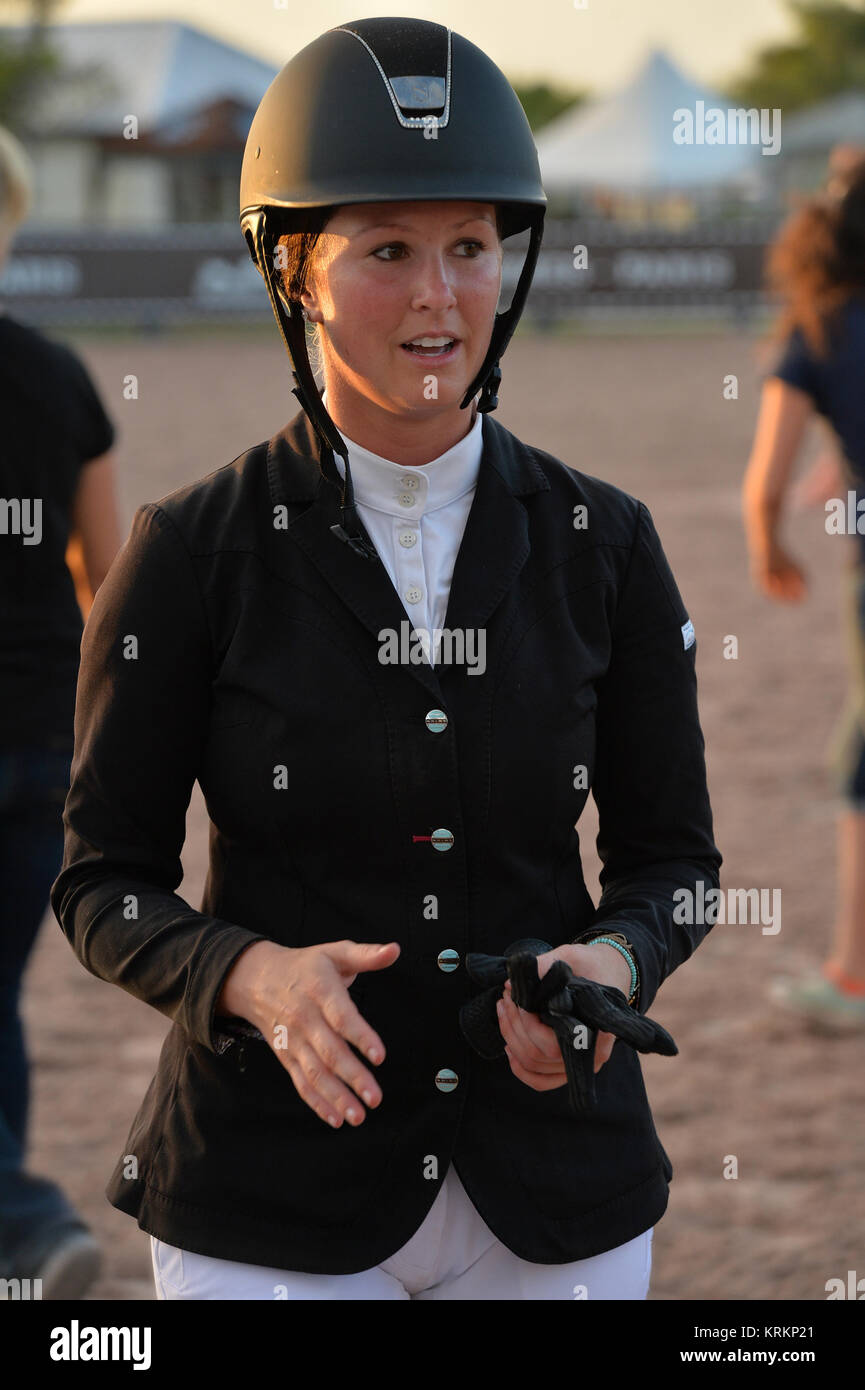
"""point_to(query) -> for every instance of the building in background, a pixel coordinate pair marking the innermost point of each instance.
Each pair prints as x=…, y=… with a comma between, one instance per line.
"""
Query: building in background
x=138, y=144
x=145, y=127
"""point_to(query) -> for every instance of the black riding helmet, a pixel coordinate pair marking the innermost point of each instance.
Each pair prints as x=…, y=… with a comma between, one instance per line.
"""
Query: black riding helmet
x=385, y=110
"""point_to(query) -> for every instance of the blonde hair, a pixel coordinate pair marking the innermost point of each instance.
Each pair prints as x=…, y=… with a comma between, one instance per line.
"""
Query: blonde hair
x=16, y=183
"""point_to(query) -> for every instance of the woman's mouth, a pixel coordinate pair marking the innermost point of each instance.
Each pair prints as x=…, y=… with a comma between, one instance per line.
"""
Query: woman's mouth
x=432, y=349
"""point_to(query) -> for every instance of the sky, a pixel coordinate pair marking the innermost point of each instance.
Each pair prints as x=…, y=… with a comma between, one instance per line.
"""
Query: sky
x=596, y=47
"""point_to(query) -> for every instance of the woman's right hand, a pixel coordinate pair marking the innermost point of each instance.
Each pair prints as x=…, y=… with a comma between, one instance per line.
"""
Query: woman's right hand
x=776, y=573
x=298, y=999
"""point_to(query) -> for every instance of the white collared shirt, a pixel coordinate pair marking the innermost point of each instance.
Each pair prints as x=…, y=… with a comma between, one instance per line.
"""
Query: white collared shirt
x=416, y=518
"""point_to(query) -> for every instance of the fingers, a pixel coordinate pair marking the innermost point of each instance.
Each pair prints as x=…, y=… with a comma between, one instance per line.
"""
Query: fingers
x=538, y=1037
x=782, y=588
x=537, y=1081
x=531, y=1041
x=533, y=1050
x=353, y=957
x=325, y=1064
x=327, y=1074
x=310, y=1095
x=382, y=956
x=312, y=1030
x=790, y=591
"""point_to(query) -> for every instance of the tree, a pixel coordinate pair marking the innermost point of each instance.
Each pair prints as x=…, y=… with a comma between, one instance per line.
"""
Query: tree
x=542, y=102
x=26, y=61
x=827, y=57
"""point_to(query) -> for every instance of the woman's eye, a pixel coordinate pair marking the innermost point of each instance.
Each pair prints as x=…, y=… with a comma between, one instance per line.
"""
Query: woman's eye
x=400, y=246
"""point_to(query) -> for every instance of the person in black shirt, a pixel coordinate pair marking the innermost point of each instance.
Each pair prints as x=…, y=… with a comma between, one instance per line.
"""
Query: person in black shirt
x=56, y=486
x=818, y=265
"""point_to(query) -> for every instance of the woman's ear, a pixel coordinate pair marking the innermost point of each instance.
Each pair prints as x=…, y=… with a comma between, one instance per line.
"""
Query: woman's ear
x=311, y=311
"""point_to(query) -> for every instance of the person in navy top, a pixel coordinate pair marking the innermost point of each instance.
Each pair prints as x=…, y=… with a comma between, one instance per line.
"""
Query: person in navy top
x=834, y=384
x=817, y=265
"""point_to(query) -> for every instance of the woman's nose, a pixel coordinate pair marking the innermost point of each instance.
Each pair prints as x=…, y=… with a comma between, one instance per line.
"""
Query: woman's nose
x=434, y=284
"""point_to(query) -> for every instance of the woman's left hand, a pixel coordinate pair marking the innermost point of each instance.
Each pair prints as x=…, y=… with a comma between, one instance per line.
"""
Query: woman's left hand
x=531, y=1046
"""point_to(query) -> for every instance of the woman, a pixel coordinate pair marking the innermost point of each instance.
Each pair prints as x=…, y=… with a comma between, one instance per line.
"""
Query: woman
x=376, y=814
x=57, y=477
x=817, y=266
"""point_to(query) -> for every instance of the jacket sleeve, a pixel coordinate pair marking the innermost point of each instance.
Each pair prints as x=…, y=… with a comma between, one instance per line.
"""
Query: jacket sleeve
x=141, y=722
x=654, y=816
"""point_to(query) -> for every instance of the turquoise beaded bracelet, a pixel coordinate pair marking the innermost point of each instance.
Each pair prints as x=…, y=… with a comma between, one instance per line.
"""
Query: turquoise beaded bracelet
x=617, y=945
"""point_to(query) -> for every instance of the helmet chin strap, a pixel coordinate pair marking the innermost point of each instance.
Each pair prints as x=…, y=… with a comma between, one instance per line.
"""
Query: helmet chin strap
x=292, y=328
x=489, y=375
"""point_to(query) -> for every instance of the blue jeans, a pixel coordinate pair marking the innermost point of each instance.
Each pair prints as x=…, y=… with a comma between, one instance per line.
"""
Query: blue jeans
x=33, y=787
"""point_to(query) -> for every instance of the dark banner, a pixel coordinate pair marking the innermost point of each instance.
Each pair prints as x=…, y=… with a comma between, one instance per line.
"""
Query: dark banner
x=192, y=272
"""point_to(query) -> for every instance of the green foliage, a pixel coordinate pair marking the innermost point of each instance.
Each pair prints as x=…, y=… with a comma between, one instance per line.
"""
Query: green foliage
x=23, y=69
x=543, y=102
x=827, y=57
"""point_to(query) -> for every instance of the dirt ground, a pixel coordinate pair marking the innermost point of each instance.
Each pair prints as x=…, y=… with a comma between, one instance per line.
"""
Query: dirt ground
x=649, y=414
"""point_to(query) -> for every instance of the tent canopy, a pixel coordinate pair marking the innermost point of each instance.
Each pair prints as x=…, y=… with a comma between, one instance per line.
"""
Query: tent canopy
x=624, y=142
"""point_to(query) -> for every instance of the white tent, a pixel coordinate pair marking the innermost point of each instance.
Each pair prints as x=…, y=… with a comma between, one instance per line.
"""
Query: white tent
x=624, y=142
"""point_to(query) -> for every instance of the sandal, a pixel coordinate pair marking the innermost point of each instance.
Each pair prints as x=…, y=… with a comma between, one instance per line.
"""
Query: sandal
x=819, y=999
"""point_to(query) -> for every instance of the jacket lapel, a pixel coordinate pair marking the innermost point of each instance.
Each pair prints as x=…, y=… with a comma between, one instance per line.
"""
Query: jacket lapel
x=495, y=543
x=494, y=548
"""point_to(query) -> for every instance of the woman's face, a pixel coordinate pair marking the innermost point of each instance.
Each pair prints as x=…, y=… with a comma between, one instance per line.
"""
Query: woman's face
x=384, y=274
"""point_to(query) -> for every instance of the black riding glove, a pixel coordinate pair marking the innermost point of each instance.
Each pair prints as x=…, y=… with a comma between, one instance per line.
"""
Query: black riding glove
x=565, y=1002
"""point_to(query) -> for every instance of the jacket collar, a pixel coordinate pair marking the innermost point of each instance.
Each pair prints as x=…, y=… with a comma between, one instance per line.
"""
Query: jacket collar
x=494, y=548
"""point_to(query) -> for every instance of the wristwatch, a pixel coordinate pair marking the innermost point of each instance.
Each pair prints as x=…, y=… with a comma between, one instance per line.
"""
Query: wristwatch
x=620, y=943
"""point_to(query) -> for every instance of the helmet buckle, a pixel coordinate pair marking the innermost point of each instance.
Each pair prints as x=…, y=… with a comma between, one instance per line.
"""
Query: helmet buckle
x=490, y=395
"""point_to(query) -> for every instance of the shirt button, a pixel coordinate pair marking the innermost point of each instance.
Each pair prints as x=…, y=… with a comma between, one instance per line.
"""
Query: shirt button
x=442, y=840
x=407, y=538
x=414, y=594
x=436, y=721
x=409, y=482
x=448, y=961
x=446, y=1080
x=406, y=499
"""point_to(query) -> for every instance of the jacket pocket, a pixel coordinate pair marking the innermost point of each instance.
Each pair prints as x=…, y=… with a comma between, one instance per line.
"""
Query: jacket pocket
x=571, y=1164
x=245, y=1147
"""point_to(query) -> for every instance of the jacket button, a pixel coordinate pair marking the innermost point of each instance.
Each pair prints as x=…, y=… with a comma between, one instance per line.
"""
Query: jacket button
x=436, y=721
x=448, y=960
x=447, y=1080
x=442, y=840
